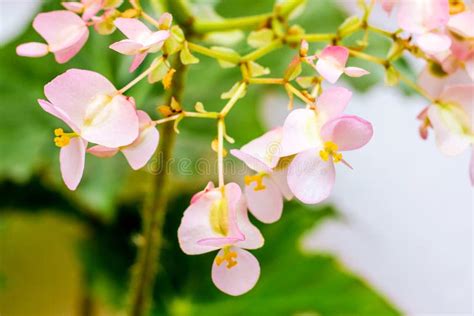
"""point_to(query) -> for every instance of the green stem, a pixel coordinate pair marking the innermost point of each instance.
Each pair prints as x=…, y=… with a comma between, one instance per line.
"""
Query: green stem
x=289, y=6
x=367, y=57
x=258, y=53
x=153, y=216
x=253, y=21
x=317, y=37
x=233, y=58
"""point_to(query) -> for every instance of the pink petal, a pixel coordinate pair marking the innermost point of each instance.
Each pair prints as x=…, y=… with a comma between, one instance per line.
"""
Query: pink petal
x=262, y=153
x=433, y=43
x=267, y=204
x=279, y=176
x=155, y=41
x=388, y=5
x=251, y=162
x=431, y=84
x=111, y=124
x=311, y=179
x=127, y=47
x=92, y=9
x=73, y=91
x=134, y=29
x=72, y=159
x=210, y=186
x=331, y=62
x=143, y=148
x=329, y=70
x=300, y=132
x=60, y=29
x=32, y=49
x=51, y=109
x=239, y=279
x=332, y=102
x=102, y=151
x=64, y=55
x=470, y=67
x=253, y=237
x=450, y=141
x=421, y=16
x=355, y=72
x=349, y=132
x=462, y=95
x=75, y=7
x=337, y=54
x=165, y=19
x=137, y=61
x=462, y=24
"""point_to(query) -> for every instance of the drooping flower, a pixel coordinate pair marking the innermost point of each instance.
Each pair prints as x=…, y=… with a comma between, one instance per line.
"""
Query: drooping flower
x=141, y=40
x=425, y=19
x=65, y=34
x=140, y=151
x=316, y=135
x=217, y=219
x=332, y=61
x=451, y=116
x=90, y=8
x=92, y=107
x=266, y=189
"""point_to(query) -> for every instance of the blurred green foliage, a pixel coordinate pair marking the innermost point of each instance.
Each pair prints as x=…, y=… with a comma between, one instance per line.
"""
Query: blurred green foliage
x=108, y=199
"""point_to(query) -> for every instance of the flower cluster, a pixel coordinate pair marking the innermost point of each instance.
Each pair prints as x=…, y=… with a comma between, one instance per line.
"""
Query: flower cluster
x=295, y=160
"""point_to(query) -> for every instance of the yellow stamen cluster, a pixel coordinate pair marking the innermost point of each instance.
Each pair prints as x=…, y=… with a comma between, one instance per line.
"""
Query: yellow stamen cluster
x=456, y=6
x=62, y=139
x=229, y=256
x=258, y=179
x=219, y=217
x=330, y=150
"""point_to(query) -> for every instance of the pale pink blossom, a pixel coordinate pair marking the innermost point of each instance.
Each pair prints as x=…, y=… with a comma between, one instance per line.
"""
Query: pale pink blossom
x=332, y=61
x=451, y=115
x=141, y=40
x=65, y=34
x=92, y=107
x=140, y=151
x=316, y=136
x=90, y=8
x=217, y=219
x=425, y=19
x=266, y=190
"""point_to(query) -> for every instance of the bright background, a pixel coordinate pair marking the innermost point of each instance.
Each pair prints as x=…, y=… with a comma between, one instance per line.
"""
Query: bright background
x=402, y=220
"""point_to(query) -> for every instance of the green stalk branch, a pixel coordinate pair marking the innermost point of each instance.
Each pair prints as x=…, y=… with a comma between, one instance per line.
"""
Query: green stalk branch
x=154, y=210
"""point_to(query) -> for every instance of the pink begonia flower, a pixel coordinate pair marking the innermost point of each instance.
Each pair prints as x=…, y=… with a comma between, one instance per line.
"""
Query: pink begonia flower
x=332, y=61
x=266, y=189
x=140, y=151
x=90, y=8
x=424, y=19
x=451, y=116
x=218, y=220
x=316, y=136
x=141, y=40
x=91, y=106
x=65, y=34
